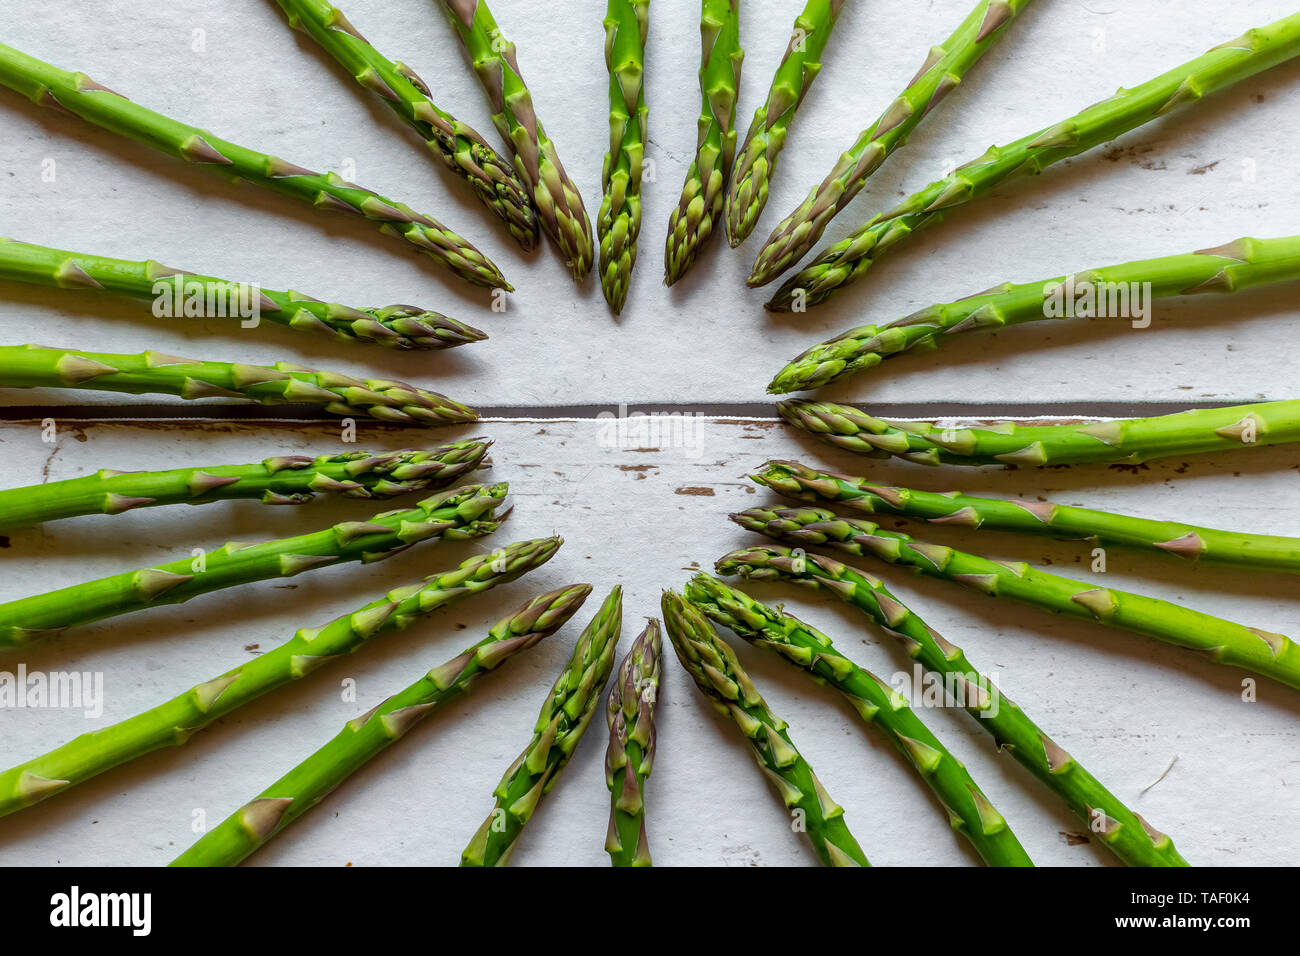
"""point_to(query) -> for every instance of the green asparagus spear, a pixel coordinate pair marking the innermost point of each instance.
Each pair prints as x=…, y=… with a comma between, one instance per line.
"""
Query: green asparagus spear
x=173, y=723
x=1232, y=267
x=631, y=751
x=1257, y=650
x=626, y=24
x=253, y=825
x=493, y=59
x=283, y=480
x=1228, y=63
x=969, y=811
x=79, y=95
x=1122, y=831
x=691, y=222
x=457, y=514
x=569, y=707
x=756, y=159
x=1261, y=552
x=939, y=75
x=285, y=383
x=1128, y=441
x=177, y=294
x=713, y=666
x=460, y=147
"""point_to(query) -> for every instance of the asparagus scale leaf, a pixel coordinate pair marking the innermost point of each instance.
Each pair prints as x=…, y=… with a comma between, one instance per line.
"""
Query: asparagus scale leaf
x=285, y=383
x=969, y=811
x=849, y=259
x=460, y=147
x=79, y=95
x=1127, y=441
x=570, y=705
x=1119, y=829
x=697, y=211
x=940, y=74
x=174, y=722
x=756, y=158
x=282, y=480
x=630, y=755
x=1106, y=292
x=454, y=515
x=178, y=294
x=493, y=60
x=619, y=224
x=1224, y=642
x=713, y=666
x=254, y=824
x=1261, y=552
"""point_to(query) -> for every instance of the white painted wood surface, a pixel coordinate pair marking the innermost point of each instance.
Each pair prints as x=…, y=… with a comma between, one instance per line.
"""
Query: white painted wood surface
x=1124, y=706
x=1197, y=178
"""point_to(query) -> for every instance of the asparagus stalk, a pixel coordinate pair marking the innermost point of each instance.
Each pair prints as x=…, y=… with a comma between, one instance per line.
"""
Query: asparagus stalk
x=756, y=159
x=454, y=515
x=969, y=811
x=626, y=24
x=1232, y=267
x=1123, y=832
x=568, y=710
x=171, y=724
x=460, y=147
x=940, y=74
x=1224, y=642
x=492, y=57
x=1260, y=552
x=253, y=825
x=285, y=383
x=691, y=222
x=79, y=95
x=713, y=666
x=631, y=751
x=847, y=260
x=283, y=480
x=1128, y=441
x=394, y=326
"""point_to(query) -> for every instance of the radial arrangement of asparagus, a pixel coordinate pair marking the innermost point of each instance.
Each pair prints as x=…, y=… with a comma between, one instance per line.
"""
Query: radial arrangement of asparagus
x=79, y=95
x=179, y=294
x=1123, y=832
x=1106, y=292
x=619, y=223
x=969, y=811
x=1260, y=552
x=756, y=157
x=282, y=480
x=253, y=825
x=849, y=259
x=691, y=222
x=285, y=383
x=713, y=666
x=453, y=515
x=940, y=74
x=493, y=59
x=1224, y=642
x=171, y=724
x=1117, y=441
x=573, y=699
x=631, y=751
x=461, y=149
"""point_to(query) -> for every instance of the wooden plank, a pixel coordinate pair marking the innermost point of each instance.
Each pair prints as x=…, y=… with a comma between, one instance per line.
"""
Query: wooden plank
x=644, y=514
